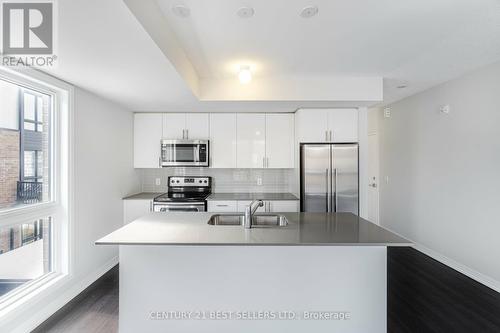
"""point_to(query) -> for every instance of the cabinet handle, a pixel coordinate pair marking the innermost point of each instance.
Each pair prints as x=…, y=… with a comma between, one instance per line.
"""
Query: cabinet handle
x=326, y=135
x=159, y=162
x=267, y=162
x=187, y=134
x=222, y=205
x=331, y=136
x=183, y=135
x=263, y=162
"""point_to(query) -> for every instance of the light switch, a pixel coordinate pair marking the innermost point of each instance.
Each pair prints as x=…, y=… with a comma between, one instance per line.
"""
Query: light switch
x=158, y=181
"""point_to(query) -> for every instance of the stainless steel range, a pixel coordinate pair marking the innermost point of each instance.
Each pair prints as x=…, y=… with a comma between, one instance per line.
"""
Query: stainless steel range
x=185, y=194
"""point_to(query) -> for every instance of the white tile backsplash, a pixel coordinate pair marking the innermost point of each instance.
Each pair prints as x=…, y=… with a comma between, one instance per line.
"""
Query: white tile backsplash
x=224, y=180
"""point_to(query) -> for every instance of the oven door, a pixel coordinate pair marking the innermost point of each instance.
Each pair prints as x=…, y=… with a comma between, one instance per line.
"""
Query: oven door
x=179, y=207
x=184, y=153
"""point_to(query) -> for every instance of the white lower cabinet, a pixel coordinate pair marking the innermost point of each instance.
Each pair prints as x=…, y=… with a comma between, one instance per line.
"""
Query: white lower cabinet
x=226, y=206
x=243, y=204
x=271, y=206
x=284, y=206
x=133, y=209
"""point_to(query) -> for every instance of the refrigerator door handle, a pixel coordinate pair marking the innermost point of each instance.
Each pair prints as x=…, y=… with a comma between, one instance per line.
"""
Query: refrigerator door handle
x=335, y=193
x=327, y=192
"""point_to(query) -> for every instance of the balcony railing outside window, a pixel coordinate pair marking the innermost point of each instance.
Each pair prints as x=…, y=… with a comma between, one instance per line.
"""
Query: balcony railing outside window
x=29, y=192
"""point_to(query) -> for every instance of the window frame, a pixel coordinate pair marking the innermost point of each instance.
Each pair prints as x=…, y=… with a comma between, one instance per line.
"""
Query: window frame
x=58, y=208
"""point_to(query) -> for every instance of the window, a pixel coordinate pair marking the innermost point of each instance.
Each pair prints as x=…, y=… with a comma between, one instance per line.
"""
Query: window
x=33, y=193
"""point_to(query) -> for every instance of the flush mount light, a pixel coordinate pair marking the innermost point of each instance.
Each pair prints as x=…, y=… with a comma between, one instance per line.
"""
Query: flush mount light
x=245, y=12
x=309, y=12
x=245, y=75
x=181, y=11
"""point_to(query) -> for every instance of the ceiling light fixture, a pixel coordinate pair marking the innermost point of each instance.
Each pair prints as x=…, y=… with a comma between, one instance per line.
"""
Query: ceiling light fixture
x=245, y=75
x=245, y=12
x=308, y=12
x=181, y=11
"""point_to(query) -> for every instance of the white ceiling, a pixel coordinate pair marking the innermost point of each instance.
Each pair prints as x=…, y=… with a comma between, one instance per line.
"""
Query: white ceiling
x=103, y=47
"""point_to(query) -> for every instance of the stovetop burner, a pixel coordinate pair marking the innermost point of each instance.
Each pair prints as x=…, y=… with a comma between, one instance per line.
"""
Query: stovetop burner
x=186, y=189
x=181, y=197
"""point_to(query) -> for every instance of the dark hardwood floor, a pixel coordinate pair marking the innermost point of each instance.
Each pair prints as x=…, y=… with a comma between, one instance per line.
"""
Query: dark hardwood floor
x=423, y=296
x=95, y=310
x=426, y=296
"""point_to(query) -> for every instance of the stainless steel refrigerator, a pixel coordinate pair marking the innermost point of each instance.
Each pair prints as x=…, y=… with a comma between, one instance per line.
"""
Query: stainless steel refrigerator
x=329, y=178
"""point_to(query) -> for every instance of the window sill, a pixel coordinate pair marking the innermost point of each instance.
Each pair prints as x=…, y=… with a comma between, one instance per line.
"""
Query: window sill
x=13, y=301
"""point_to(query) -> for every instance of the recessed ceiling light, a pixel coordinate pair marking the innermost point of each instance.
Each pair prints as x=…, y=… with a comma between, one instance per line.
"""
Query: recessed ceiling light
x=245, y=75
x=245, y=12
x=309, y=12
x=181, y=11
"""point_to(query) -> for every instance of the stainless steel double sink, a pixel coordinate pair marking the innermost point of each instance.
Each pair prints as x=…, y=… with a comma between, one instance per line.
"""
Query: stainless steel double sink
x=258, y=221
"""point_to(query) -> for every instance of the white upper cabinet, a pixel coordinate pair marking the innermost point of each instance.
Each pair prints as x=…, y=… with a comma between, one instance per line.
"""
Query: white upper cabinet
x=251, y=140
x=223, y=140
x=197, y=126
x=327, y=125
x=311, y=125
x=343, y=125
x=279, y=140
x=185, y=126
x=147, y=137
x=174, y=126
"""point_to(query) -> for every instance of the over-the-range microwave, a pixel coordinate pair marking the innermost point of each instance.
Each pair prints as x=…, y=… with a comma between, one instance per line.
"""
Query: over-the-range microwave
x=184, y=153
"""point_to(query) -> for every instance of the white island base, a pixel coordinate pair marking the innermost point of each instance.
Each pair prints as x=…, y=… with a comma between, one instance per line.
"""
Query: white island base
x=252, y=289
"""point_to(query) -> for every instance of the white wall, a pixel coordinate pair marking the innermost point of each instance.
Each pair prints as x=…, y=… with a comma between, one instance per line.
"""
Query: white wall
x=444, y=185
x=103, y=174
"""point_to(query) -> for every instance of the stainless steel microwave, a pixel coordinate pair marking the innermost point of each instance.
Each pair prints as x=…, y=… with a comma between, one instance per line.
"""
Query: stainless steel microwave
x=184, y=153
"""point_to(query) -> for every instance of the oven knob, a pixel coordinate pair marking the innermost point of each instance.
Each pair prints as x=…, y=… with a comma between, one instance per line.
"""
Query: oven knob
x=177, y=181
x=206, y=182
x=199, y=181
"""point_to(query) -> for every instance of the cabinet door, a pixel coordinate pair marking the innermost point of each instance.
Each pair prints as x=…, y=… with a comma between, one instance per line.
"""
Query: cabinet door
x=133, y=209
x=147, y=137
x=251, y=140
x=227, y=206
x=343, y=124
x=197, y=126
x=279, y=140
x=223, y=140
x=242, y=204
x=174, y=125
x=284, y=206
x=311, y=125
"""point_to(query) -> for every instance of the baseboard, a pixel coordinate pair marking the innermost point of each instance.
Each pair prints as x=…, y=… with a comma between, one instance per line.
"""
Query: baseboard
x=473, y=274
x=465, y=270
x=29, y=324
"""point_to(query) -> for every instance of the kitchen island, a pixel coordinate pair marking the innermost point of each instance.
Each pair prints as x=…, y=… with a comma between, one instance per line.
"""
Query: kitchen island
x=319, y=272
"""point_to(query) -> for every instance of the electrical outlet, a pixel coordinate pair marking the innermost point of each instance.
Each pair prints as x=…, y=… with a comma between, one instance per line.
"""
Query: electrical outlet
x=387, y=112
x=158, y=181
x=259, y=181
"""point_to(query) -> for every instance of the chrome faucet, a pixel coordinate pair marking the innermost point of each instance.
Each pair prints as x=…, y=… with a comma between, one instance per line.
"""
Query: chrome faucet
x=249, y=211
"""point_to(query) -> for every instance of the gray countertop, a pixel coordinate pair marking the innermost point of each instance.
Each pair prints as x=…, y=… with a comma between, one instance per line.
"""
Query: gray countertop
x=221, y=196
x=252, y=196
x=303, y=229
x=143, y=196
